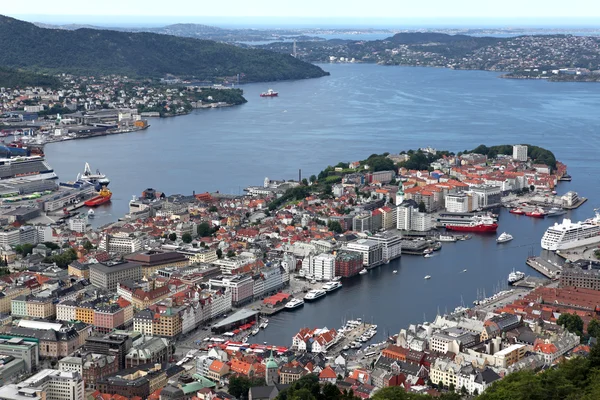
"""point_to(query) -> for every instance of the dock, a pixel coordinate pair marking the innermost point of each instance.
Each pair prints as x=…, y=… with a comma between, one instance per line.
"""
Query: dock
x=348, y=338
x=544, y=267
x=531, y=282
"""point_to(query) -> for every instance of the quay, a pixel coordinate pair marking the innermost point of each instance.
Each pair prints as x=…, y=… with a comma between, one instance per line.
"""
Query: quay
x=348, y=338
x=531, y=282
x=544, y=267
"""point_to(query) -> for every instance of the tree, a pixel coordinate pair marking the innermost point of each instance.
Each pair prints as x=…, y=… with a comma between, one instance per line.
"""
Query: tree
x=571, y=322
x=240, y=385
x=219, y=253
x=88, y=245
x=230, y=254
x=51, y=245
x=452, y=388
x=187, y=238
x=335, y=226
x=202, y=244
x=172, y=236
x=312, y=178
x=593, y=328
x=213, y=209
x=463, y=390
x=305, y=181
x=422, y=207
x=204, y=229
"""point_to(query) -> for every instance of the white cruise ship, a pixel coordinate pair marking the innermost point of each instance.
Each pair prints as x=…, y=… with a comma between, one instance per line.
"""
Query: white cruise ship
x=331, y=286
x=314, y=295
x=568, y=234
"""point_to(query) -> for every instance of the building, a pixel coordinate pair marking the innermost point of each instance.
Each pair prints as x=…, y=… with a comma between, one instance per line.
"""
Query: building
x=79, y=223
x=138, y=381
x=371, y=250
x=148, y=350
x=391, y=243
x=79, y=270
x=362, y=222
x=580, y=278
x=519, y=153
x=66, y=311
x=460, y=202
x=475, y=381
x=18, y=306
x=320, y=267
x=48, y=384
x=111, y=345
x=96, y=366
x=41, y=308
x=200, y=255
x=21, y=349
x=380, y=176
x=290, y=373
x=510, y=355
x=348, y=263
x=55, y=340
x=120, y=243
x=152, y=261
x=487, y=196
x=107, y=275
x=10, y=293
x=241, y=287
x=410, y=219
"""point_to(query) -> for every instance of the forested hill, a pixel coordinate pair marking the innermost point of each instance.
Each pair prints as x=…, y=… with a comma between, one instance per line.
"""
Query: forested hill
x=88, y=51
x=15, y=79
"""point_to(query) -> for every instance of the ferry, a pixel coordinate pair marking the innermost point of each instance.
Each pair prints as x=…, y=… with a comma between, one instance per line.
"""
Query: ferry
x=568, y=234
x=294, y=303
x=331, y=286
x=363, y=271
x=504, y=237
x=515, y=276
x=477, y=223
x=269, y=93
x=314, y=294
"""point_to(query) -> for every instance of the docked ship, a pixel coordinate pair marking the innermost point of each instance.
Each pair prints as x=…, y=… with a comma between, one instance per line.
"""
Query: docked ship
x=269, y=93
x=294, y=303
x=103, y=197
x=97, y=179
x=568, y=234
x=517, y=211
x=504, y=237
x=536, y=213
x=314, y=294
x=515, y=276
x=447, y=238
x=24, y=168
x=331, y=286
x=477, y=223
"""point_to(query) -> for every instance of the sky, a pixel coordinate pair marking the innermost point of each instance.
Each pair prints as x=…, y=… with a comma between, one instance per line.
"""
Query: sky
x=77, y=11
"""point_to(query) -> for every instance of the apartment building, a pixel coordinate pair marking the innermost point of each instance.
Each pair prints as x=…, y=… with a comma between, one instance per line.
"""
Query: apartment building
x=48, y=384
x=241, y=287
x=152, y=261
x=371, y=250
x=107, y=275
x=120, y=243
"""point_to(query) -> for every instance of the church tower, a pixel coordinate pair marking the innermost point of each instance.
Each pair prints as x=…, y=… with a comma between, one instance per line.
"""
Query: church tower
x=272, y=371
x=400, y=194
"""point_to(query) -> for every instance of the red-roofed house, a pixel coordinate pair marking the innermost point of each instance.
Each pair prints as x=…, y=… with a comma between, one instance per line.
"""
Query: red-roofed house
x=327, y=375
x=241, y=368
x=217, y=370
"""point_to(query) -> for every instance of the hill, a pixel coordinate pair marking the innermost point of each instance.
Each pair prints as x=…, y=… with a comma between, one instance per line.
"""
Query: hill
x=89, y=51
x=11, y=78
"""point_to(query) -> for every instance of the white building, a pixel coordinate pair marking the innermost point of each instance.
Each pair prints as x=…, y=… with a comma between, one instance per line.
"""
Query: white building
x=457, y=203
x=371, y=250
x=71, y=364
x=519, y=152
x=65, y=311
x=410, y=219
x=392, y=244
x=120, y=242
x=227, y=265
x=78, y=223
x=321, y=267
x=47, y=384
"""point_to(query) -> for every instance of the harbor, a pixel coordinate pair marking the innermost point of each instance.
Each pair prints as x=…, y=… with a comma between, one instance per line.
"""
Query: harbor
x=545, y=267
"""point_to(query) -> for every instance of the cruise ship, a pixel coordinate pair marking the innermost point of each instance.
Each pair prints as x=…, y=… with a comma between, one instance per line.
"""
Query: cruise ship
x=30, y=168
x=314, y=294
x=331, y=286
x=568, y=234
x=294, y=303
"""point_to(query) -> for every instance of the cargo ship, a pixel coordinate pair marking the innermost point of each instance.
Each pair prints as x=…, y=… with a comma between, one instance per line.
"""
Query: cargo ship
x=269, y=93
x=103, y=197
x=478, y=223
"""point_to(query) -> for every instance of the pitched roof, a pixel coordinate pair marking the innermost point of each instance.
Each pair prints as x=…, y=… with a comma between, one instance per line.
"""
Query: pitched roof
x=328, y=373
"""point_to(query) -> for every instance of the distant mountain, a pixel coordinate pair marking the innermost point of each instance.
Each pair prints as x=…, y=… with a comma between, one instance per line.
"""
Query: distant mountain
x=91, y=51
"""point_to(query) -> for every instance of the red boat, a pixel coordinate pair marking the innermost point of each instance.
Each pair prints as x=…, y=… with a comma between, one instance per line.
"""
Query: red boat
x=517, y=211
x=477, y=224
x=269, y=93
x=537, y=213
x=103, y=197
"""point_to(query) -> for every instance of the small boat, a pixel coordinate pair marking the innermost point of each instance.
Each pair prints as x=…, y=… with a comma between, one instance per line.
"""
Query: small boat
x=312, y=282
x=447, y=238
x=427, y=251
x=504, y=237
x=264, y=325
x=269, y=93
x=517, y=211
x=363, y=271
x=255, y=331
x=464, y=270
x=90, y=213
x=394, y=272
x=346, y=347
x=428, y=255
x=427, y=277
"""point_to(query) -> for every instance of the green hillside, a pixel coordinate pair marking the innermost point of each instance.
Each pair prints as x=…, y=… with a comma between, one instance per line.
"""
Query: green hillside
x=12, y=78
x=88, y=51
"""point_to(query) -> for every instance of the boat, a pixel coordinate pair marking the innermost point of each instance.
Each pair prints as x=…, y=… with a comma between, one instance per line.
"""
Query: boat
x=427, y=277
x=428, y=251
x=477, y=223
x=363, y=271
x=536, y=213
x=313, y=281
x=447, y=238
x=269, y=93
x=568, y=234
x=90, y=213
x=23, y=168
x=428, y=255
x=255, y=331
x=394, y=272
x=464, y=270
x=515, y=276
x=555, y=212
x=517, y=211
x=331, y=286
x=314, y=294
x=294, y=303
x=103, y=197
x=97, y=179
x=264, y=325
x=504, y=237
x=346, y=347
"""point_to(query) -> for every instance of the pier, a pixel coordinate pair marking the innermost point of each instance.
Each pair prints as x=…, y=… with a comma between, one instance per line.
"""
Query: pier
x=348, y=338
x=544, y=267
x=531, y=282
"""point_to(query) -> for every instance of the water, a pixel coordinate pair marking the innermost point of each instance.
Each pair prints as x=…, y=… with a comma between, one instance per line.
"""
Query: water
x=357, y=111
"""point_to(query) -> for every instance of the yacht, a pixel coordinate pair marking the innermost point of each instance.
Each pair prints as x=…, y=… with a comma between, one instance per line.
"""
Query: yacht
x=504, y=237
x=447, y=238
x=294, y=303
x=264, y=325
x=255, y=331
x=568, y=234
x=428, y=255
x=555, y=212
x=515, y=276
x=427, y=277
x=363, y=271
x=314, y=294
x=394, y=272
x=331, y=286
